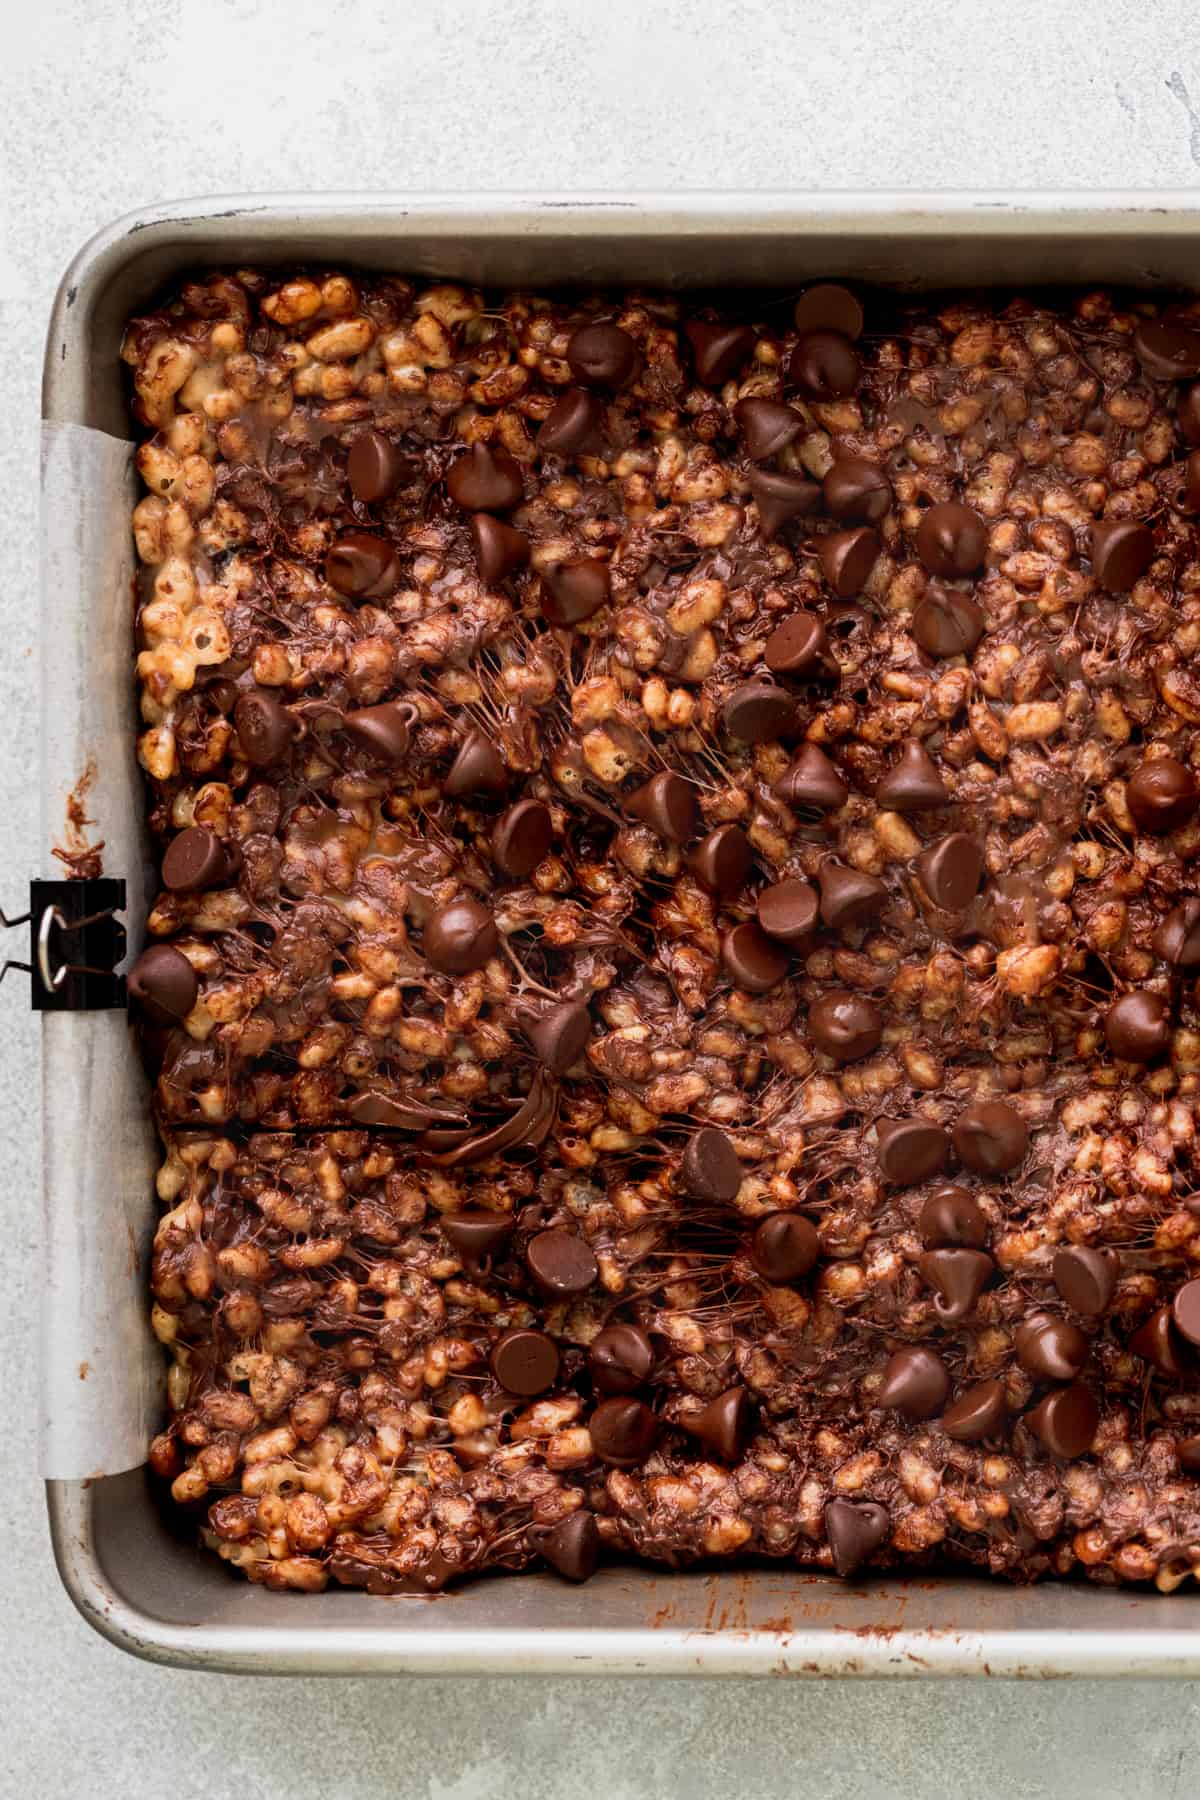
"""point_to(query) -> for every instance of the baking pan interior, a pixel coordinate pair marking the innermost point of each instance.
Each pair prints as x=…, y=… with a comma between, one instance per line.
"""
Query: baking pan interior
x=127, y=1568
x=159, y=1596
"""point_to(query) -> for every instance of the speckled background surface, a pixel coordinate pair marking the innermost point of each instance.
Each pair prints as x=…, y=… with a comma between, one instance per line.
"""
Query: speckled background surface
x=106, y=104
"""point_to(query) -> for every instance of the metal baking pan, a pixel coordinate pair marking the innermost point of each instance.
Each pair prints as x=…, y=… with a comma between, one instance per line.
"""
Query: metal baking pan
x=158, y=1596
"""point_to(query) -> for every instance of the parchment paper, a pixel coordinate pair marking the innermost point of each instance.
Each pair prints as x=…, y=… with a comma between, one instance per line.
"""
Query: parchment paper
x=102, y=1373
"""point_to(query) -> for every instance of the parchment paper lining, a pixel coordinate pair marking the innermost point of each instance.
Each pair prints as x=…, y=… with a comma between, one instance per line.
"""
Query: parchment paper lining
x=102, y=1373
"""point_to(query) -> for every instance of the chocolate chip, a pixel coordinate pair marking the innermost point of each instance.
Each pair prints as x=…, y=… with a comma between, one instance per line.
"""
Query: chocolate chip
x=1050, y=1349
x=711, y=1170
x=477, y=769
x=718, y=351
x=827, y=306
x=784, y=1248
x=1162, y=795
x=800, y=647
x=825, y=365
x=1122, y=551
x=990, y=1137
x=220, y=692
x=560, y=1035
x=668, y=804
x=951, y=540
x=787, y=911
x=525, y=1361
x=766, y=426
x=752, y=960
x=1167, y=349
x=722, y=861
x=620, y=1359
x=196, y=859
x=362, y=565
x=855, y=1529
x=574, y=426
x=958, y=1276
x=603, y=356
x=561, y=1263
x=910, y=1150
x=1138, y=1027
x=385, y=731
x=1158, y=1342
x=812, y=780
x=758, y=711
x=573, y=590
x=915, y=1383
x=952, y=1216
x=1066, y=1420
x=264, y=728
x=723, y=1425
x=1086, y=1278
x=1188, y=415
x=977, y=1413
x=950, y=871
x=522, y=838
x=857, y=489
x=847, y=558
x=476, y=1235
x=623, y=1431
x=1187, y=1449
x=947, y=623
x=485, y=479
x=572, y=1548
x=845, y=1026
x=460, y=937
x=913, y=782
x=374, y=467
x=1185, y=1311
x=163, y=983
x=848, y=896
x=780, y=497
x=500, y=549
x=1177, y=939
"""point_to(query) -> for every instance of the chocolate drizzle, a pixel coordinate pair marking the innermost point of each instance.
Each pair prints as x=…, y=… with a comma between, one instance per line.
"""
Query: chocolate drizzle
x=674, y=972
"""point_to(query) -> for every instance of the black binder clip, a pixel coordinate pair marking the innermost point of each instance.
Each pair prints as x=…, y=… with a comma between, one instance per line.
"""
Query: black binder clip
x=75, y=942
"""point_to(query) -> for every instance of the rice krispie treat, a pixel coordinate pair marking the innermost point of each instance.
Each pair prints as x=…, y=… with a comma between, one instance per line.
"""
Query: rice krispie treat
x=673, y=996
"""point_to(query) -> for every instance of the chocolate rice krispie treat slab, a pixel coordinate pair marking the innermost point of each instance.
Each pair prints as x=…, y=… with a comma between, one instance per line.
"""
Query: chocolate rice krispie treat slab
x=673, y=996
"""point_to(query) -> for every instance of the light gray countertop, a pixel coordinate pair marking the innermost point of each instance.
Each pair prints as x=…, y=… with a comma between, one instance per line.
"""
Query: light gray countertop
x=106, y=104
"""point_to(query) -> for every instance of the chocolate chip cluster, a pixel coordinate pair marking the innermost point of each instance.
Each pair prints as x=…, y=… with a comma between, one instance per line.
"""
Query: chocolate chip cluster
x=673, y=996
